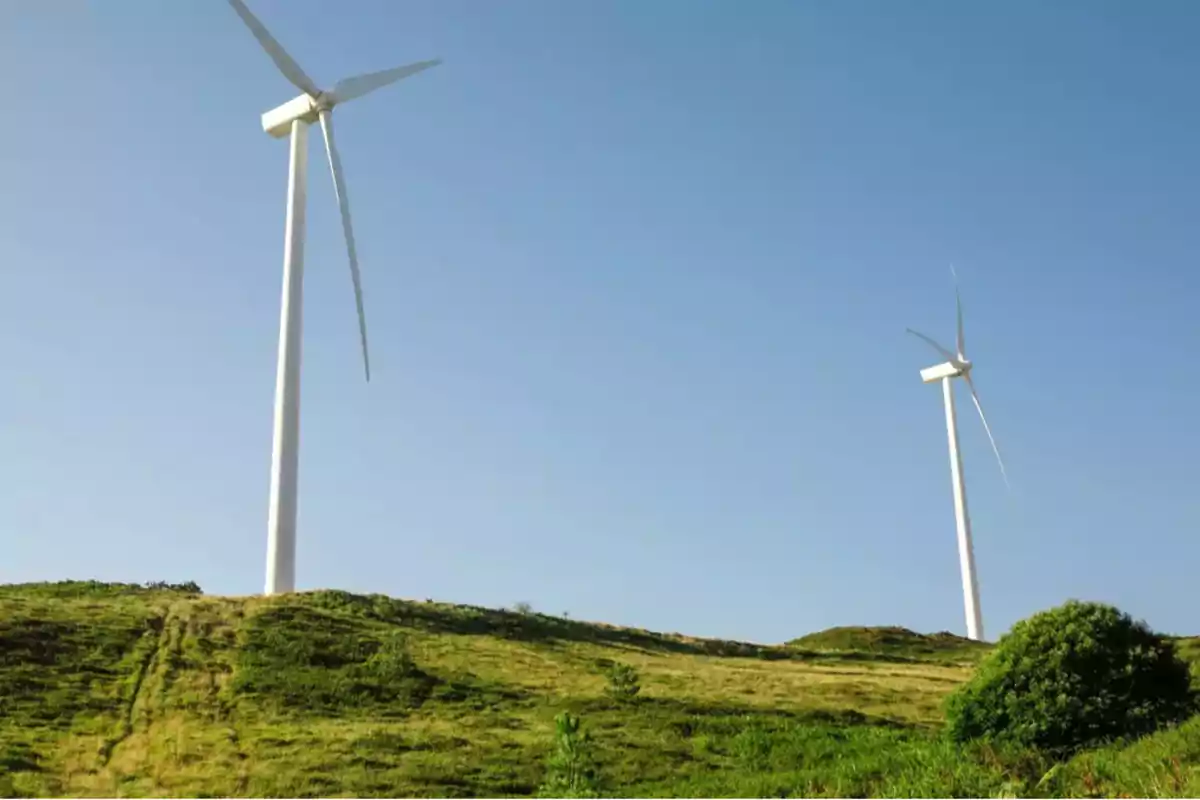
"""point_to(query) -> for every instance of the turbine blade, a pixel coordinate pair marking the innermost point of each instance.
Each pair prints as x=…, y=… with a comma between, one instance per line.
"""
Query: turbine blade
x=987, y=428
x=350, y=88
x=339, y=189
x=287, y=65
x=962, y=345
x=949, y=356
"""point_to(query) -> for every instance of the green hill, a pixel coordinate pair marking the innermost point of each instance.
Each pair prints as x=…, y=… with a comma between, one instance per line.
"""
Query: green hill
x=894, y=641
x=118, y=690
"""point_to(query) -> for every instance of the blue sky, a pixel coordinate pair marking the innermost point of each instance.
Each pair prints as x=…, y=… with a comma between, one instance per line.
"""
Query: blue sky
x=637, y=277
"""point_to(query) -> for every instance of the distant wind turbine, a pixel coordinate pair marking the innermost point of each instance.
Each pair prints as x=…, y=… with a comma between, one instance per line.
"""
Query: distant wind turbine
x=957, y=365
x=293, y=118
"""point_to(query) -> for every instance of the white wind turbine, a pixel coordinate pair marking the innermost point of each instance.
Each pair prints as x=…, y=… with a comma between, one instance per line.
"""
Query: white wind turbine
x=957, y=365
x=293, y=118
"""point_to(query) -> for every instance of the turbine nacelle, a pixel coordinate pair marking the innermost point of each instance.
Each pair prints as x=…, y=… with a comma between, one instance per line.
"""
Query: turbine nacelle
x=947, y=369
x=278, y=121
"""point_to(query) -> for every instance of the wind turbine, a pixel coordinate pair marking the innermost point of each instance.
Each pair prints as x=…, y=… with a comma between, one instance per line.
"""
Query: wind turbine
x=292, y=119
x=957, y=365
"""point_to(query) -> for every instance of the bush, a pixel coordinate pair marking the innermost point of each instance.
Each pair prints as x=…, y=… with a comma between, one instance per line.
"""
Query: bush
x=623, y=682
x=1069, y=677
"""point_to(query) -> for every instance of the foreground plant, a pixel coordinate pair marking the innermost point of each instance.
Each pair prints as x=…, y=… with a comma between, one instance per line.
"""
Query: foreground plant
x=571, y=770
x=1073, y=676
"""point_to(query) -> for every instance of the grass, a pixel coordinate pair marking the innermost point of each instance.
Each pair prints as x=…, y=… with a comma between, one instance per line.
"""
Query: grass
x=112, y=690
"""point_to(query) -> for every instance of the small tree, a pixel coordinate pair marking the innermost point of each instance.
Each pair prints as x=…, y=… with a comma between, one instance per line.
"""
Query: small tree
x=523, y=608
x=571, y=771
x=623, y=682
x=1072, y=676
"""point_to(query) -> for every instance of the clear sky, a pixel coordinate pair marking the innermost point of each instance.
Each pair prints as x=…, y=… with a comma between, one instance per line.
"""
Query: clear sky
x=637, y=277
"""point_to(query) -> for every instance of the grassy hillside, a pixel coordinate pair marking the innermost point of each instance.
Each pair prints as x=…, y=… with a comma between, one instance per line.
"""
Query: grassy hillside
x=108, y=690
x=893, y=641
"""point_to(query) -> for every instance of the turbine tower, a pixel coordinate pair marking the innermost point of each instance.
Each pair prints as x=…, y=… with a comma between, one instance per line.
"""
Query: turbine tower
x=957, y=365
x=292, y=119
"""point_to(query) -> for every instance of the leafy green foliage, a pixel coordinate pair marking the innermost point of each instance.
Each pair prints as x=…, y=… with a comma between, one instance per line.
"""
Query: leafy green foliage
x=571, y=770
x=623, y=682
x=1072, y=676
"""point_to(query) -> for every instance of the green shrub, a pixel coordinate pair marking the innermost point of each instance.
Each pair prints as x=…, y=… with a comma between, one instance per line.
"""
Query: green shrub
x=1072, y=676
x=623, y=682
x=571, y=771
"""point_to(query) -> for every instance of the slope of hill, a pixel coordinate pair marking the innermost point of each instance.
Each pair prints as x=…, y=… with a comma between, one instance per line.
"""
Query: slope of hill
x=893, y=641
x=115, y=689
